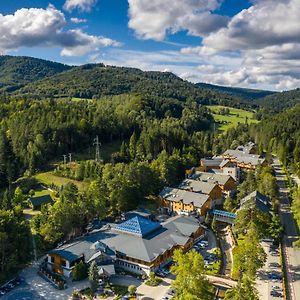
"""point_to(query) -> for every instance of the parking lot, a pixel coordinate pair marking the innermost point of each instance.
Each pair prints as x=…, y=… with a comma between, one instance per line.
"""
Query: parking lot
x=18, y=288
x=269, y=281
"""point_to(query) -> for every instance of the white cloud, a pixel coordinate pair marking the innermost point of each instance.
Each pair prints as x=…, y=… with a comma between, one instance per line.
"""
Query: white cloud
x=82, y=5
x=266, y=38
x=86, y=43
x=78, y=21
x=266, y=23
x=154, y=19
x=36, y=27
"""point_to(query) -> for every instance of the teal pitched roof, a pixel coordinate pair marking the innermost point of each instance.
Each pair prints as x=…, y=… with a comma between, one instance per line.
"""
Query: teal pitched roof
x=38, y=201
x=138, y=226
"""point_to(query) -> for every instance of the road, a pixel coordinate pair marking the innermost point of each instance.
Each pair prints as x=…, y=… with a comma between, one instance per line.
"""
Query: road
x=292, y=255
x=263, y=283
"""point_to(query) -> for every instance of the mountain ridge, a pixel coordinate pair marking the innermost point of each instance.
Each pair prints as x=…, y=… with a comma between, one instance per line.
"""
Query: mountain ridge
x=245, y=93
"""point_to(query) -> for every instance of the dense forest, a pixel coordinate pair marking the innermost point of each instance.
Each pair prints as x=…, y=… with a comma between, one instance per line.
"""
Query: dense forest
x=42, y=130
x=280, y=134
x=279, y=102
x=97, y=80
x=17, y=71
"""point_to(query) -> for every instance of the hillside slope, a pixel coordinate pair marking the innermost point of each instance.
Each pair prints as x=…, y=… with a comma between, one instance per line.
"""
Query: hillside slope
x=17, y=71
x=280, y=101
x=247, y=94
x=97, y=80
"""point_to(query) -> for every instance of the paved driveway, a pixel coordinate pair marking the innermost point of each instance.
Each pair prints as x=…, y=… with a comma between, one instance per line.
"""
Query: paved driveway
x=146, y=292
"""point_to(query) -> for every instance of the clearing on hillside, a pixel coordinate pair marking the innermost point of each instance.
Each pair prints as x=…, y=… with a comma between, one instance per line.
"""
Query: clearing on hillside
x=232, y=119
x=49, y=178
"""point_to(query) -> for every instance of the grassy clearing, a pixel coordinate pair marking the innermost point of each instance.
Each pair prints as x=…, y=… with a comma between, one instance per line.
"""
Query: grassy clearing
x=41, y=192
x=81, y=99
x=236, y=116
x=49, y=178
x=106, y=150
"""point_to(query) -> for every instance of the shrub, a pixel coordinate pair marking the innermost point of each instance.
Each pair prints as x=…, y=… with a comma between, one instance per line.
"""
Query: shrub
x=132, y=289
x=153, y=280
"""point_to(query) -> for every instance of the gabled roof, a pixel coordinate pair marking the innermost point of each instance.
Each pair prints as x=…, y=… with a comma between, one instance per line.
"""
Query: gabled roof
x=243, y=157
x=212, y=162
x=197, y=186
x=177, y=195
x=138, y=226
x=221, y=179
x=260, y=201
x=38, y=201
x=246, y=148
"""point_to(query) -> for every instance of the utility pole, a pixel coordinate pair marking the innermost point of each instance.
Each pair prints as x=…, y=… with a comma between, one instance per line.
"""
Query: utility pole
x=70, y=157
x=97, y=144
x=65, y=159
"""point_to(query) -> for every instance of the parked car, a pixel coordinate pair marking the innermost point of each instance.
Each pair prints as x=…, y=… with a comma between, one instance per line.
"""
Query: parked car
x=276, y=288
x=165, y=272
x=171, y=291
x=159, y=273
x=274, y=265
x=276, y=276
x=276, y=294
x=203, y=244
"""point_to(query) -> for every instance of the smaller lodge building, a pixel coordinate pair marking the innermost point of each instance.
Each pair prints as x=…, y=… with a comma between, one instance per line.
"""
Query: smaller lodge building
x=184, y=202
x=225, y=182
x=211, y=189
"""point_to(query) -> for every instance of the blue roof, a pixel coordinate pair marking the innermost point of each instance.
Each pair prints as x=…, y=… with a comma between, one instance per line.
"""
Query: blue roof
x=138, y=226
x=224, y=213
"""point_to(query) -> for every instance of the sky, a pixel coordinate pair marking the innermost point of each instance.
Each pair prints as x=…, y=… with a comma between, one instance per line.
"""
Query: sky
x=245, y=43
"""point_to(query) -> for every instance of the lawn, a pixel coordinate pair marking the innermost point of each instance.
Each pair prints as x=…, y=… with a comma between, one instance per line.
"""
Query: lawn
x=235, y=117
x=49, y=178
x=41, y=192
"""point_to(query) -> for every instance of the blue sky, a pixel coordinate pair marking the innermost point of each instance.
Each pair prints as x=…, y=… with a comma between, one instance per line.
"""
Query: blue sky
x=226, y=42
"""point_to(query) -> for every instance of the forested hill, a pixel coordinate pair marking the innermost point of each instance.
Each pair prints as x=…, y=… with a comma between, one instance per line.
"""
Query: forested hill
x=280, y=134
x=17, y=71
x=247, y=94
x=280, y=101
x=97, y=80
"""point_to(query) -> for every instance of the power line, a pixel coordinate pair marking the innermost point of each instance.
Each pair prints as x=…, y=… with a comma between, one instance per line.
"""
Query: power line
x=65, y=159
x=97, y=144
